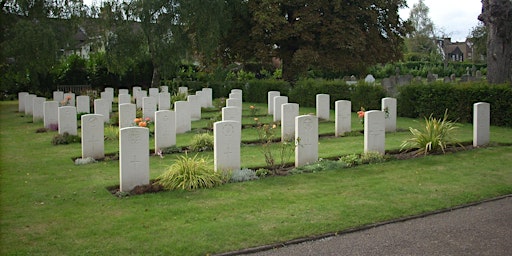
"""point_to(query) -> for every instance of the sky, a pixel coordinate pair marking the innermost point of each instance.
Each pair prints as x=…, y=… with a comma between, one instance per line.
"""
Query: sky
x=456, y=18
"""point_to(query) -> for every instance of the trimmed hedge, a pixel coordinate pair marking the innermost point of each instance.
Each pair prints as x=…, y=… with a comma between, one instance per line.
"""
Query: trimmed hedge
x=421, y=100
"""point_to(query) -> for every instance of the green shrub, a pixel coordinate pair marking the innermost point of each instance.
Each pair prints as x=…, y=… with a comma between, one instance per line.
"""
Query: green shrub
x=350, y=160
x=178, y=97
x=190, y=173
x=372, y=158
x=243, y=175
x=256, y=90
x=171, y=150
x=65, y=138
x=202, y=142
x=111, y=132
x=262, y=172
x=321, y=165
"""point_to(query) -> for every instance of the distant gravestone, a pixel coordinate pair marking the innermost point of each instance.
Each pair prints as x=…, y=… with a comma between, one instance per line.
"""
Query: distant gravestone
x=343, y=122
x=21, y=101
x=369, y=79
x=374, y=131
x=124, y=98
x=278, y=101
x=404, y=80
x=71, y=96
x=133, y=157
x=141, y=95
x=388, y=105
x=127, y=115
x=165, y=129
x=201, y=96
x=29, y=104
x=234, y=102
x=153, y=93
x=270, y=100
x=148, y=108
x=289, y=112
x=481, y=123
x=108, y=101
x=67, y=120
x=58, y=96
x=322, y=106
x=431, y=78
x=101, y=108
x=37, y=106
x=306, y=139
x=195, y=107
x=164, y=101
x=447, y=80
x=93, y=136
x=209, y=97
x=226, y=149
x=237, y=91
x=51, y=118
x=135, y=92
x=478, y=75
x=110, y=92
x=83, y=104
x=453, y=77
x=182, y=113
x=123, y=92
x=183, y=90
x=232, y=114
x=164, y=88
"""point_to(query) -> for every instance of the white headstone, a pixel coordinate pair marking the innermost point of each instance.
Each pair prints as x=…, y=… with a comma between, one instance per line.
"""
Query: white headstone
x=123, y=91
x=236, y=95
x=29, y=104
x=67, y=120
x=51, y=117
x=140, y=95
x=369, y=79
x=165, y=129
x=234, y=102
x=136, y=90
x=323, y=106
x=108, y=100
x=202, y=99
x=183, y=90
x=58, y=96
x=164, y=101
x=101, y=108
x=239, y=91
x=289, y=111
x=182, y=112
x=124, y=98
x=70, y=97
x=110, y=92
x=164, y=88
x=232, y=113
x=127, y=115
x=226, y=149
x=133, y=157
x=148, y=108
x=270, y=100
x=21, y=101
x=37, y=106
x=374, y=132
x=83, y=104
x=195, y=107
x=481, y=123
x=306, y=139
x=343, y=122
x=278, y=101
x=93, y=136
x=153, y=93
x=209, y=97
x=389, y=108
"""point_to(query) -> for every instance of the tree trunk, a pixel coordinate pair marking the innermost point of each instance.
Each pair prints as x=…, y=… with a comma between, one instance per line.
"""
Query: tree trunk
x=155, y=80
x=497, y=17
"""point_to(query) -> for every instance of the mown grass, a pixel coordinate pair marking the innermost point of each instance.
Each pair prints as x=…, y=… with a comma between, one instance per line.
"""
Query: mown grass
x=50, y=206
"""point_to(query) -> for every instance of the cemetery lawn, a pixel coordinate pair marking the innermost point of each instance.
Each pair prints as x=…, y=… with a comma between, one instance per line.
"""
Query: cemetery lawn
x=50, y=206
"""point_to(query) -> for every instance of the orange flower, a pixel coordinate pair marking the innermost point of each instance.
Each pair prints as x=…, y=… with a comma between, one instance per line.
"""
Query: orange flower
x=360, y=114
x=143, y=124
x=137, y=120
x=68, y=97
x=251, y=107
x=274, y=126
x=256, y=119
x=148, y=119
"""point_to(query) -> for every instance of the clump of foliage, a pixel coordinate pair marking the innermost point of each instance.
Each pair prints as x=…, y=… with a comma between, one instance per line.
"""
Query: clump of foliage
x=243, y=175
x=178, y=97
x=321, y=165
x=170, y=150
x=83, y=161
x=437, y=135
x=190, y=173
x=65, y=138
x=352, y=160
x=262, y=172
x=202, y=142
x=217, y=117
x=266, y=136
x=111, y=132
x=42, y=130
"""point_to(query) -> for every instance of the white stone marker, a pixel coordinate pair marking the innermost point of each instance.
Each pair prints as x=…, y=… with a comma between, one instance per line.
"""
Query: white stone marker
x=278, y=101
x=140, y=95
x=233, y=102
x=83, y=104
x=226, y=145
x=236, y=95
x=148, y=108
x=209, y=97
x=343, y=121
x=58, y=96
x=51, y=117
x=164, y=101
x=108, y=101
x=164, y=88
x=37, y=106
x=183, y=90
x=165, y=129
x=239, y=91
x=92, y=136
x=202, y=98
x=195, y=107
x=133, y=157
x=289, y=111
x=124, y=99
x=306, y=140
x=21, y=101
x=374, y=132
x=232, y=114
x=71, y=96
x=127, y=115
x=153, y=93
x=323, y=106
x=29, y=104
x=389, y=108
x=369, y=79
x=101, y=108
x=481, y=123
x=270, y=100
x=110, y=92
x=135, y=92
x=182, y=112
x=67, y=120
x=123, y=91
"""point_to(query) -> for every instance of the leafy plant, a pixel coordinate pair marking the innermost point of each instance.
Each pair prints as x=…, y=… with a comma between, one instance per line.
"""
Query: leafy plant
x=372, y=158
x=262, y=172
x=178, y=97
x=202, y=142
x=266, y=136
x=350, y=160
x=65, y=138
x=437, y=135
x=83, y=161
x=321, y=165
x=170, y=150
x=111, y=132
x=190, y=173
x=243, y=175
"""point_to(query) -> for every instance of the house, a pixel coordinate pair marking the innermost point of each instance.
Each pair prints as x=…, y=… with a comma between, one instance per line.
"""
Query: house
x=456, y=51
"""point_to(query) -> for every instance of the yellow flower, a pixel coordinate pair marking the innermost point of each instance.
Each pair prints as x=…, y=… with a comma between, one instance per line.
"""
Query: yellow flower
x=251, y=107
x=274, y=126
x=256, y=119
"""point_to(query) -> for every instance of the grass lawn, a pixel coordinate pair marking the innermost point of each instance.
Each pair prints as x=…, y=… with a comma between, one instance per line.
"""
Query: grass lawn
x=50, y=206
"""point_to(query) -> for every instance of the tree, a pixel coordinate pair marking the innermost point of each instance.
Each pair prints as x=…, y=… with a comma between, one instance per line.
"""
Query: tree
x=478, y=38
x=339, y=36
x=421, y=41
x=497, y=17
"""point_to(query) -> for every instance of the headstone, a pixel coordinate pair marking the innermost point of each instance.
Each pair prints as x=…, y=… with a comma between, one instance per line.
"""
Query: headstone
x=236, y=95
x=404, y=80
x=29, y=104
x=93, y=136
x=127, y=115
x=374, y=131
x=124, y=98
x=164, y=101
x=183, y=90
x=453, y=77
x=278, y=101
x=141, y=95
x=288, y=113
x=67, y=120
x=481, y=123
x=209, y=97
x=101, y=108
x=83, y=104
x=148, y=108
x=203, y=101
x=110, y=92
x=165, y=129
x=478, y=75
x=153, y=93
x=369, y=79
x=58, y=96
x=234, y=102
x=21, y=101
x=389, y=108
x=195, y=107
x=164, y=88
x=232, y=114
x=447, y=80
x=133, y=157
x=306, y=139
x=70, y=98
x=464, y=78
x=135, y=92
x=270, y=101
x=322, y=106
x=108, y=101
x=123, y=92
x=182, y=112
x=226, y=145
x=51, y=117
x=430, y=78
x=37, y=106
x=343, y=122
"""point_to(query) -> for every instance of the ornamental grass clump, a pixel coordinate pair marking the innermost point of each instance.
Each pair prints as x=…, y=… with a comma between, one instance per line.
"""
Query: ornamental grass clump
x=437, y=135
x=202, y=142
x=190, y=173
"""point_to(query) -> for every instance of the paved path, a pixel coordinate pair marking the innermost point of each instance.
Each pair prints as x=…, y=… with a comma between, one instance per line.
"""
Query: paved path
x=482, y=229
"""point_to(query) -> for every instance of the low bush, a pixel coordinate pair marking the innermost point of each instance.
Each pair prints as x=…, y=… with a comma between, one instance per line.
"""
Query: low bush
x=202, y=142
x=65, y=138
x=243, y=175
